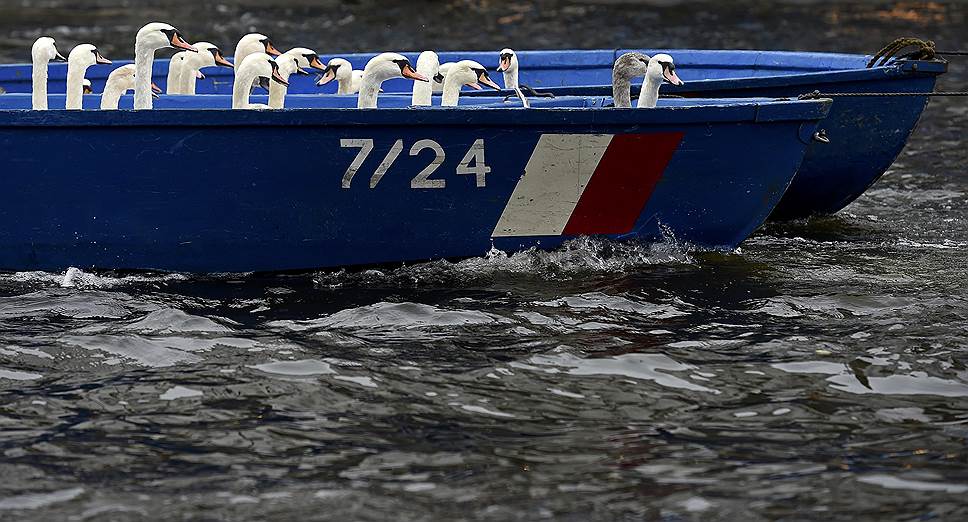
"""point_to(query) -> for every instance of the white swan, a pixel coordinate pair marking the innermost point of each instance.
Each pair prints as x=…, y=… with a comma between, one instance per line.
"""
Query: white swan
x=255, y=66
x=427, y=65
x=154, y=36
x=342, y=71
x=254, y=43
x=208, y=55
x=120, y=81
x=464, y=72
x=380, y=69
x=81, y=57
x=661, y=67
x=438, y=80
x=509, y=66
x=627, y=67
x=291, y=61
x=42, y=52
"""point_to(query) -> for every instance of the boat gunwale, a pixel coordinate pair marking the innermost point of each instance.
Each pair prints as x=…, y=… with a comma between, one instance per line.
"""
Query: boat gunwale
x=742, y=111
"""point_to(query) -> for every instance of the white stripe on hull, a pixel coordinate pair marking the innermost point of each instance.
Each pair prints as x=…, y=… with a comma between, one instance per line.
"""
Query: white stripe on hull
x=554, y=179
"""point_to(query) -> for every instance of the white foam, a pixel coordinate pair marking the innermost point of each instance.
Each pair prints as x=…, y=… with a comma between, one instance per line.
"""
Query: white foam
x=179, y=392
x=892, y=482
x=296, y=368
x=637, y=366
x=18, y=375
x=39, y=500
x=485, y=411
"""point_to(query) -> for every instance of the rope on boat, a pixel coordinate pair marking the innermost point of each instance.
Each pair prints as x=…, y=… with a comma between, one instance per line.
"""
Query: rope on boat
x=817, y=94
x=952, y=53
x=925, y=50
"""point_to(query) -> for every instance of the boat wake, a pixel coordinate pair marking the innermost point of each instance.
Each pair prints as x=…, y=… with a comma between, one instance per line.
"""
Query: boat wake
x=581, y=257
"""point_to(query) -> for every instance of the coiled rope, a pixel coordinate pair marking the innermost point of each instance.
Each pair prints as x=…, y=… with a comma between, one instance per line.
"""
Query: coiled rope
x=923, y=50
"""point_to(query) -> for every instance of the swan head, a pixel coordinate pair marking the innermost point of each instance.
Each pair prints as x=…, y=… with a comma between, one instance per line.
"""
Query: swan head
x=336, y=69
x=288, y=64
x=391, y=65
x=256, y=42
x=44, y=49
x=209, y=55
x=306, y=58
x=631, y=65
x=661, y=67
x=86, y=55
x=159, y=35
x=509, y=61
x=261, y=65
x=472, y=74
x=428, y=60
x=122, y=77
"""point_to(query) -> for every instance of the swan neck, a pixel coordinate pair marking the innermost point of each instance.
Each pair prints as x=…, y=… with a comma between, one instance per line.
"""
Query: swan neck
x=188, y=84
x=451, y=95
x=423, y=93
x=277, y=95
x=368, y=93
x=75, y=87
x=511, y=78
x=345, y=85
x=143, y=60
x=111, y=97
x=649, y=95
x=241, y=89
x=176, y=74
x=621, y=91
x=39, y=80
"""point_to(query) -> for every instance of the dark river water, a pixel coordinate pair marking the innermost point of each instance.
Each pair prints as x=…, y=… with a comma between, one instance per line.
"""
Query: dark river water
x=818, y=372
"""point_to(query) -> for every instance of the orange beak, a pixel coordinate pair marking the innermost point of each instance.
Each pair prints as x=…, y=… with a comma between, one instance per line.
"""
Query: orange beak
x=271, y=50
x=411, y=74
x=671, y=77
x=486, y=80
x=101, y=60
x=278, y=78
x=329, y=74
x=155, y=88
x=220, y=60
x=316, y=64
x=179, y=43
x=505, y=64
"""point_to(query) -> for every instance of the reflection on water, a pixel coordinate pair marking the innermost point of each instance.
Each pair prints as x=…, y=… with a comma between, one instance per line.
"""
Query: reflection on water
x=817, y=372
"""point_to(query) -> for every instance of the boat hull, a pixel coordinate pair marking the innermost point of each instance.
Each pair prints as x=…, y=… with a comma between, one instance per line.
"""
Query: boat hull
x=867, y=134
x=240, y=191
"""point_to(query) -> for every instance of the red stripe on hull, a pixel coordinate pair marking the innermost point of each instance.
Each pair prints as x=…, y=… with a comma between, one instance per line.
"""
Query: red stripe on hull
x=623, y=183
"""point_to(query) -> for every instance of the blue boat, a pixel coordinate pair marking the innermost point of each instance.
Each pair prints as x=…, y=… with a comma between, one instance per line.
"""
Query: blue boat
x=866, y=133
x=240, y=191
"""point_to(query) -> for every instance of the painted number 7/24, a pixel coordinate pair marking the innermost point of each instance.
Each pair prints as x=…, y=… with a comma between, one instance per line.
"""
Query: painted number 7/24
x=472, y=163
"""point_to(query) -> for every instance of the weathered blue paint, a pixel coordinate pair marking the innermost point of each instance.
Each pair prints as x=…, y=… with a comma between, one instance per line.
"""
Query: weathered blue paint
x=224, y=190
